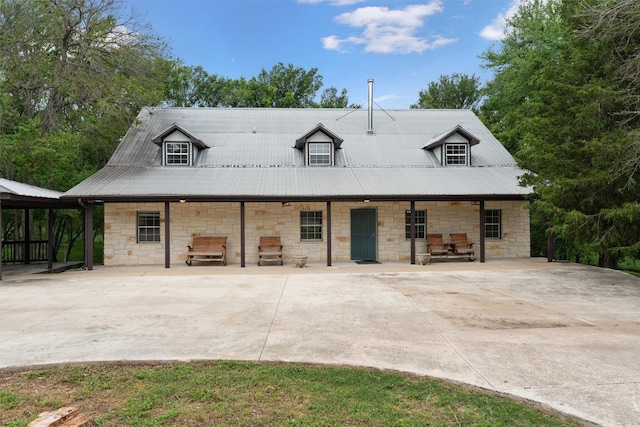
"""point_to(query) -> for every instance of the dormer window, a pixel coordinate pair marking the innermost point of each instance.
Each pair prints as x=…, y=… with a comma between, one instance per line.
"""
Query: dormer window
x=455, y=154
x=319, y=153
x=453, y=148
x=319, y=146
x=179, y=147
x=177, y=154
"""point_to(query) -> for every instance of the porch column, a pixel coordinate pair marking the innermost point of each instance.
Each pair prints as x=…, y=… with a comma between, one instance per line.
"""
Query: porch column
x=1, y=235
x=27, y=237
x=167, y=235
x=50, y=222
x=242, y=243
x=551, y=246
x=413, y=232
x=328, y=234
x=482, y=231
x=88, y=236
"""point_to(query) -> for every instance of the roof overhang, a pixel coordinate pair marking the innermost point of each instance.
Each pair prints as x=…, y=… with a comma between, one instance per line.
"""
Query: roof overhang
x=334, y=198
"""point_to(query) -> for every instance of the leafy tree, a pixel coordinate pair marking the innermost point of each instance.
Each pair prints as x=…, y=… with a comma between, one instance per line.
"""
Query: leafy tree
x=73, y=77
x=281, y=87
x=457, y=91
x=554, y=102
x=76, y=67
x=286, y=87
x=331, y=99
x=186, y=86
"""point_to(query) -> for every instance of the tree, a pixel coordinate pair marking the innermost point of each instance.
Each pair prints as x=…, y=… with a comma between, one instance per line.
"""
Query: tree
x=281, y=87
x=286, y=87
x=77, y=67
x=458, y=91
x=73, y=77
x=554, y=102
x=331, y=99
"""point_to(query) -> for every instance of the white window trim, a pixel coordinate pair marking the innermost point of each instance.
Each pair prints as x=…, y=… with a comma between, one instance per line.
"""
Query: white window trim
x=424, y=224
x=446, y=156
x=166, y=153
x=315, y=226
x=309, y=155
x=499, y=224
x=154, y=227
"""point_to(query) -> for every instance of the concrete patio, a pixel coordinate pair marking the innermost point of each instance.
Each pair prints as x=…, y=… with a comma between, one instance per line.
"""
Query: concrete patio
x=564, y=335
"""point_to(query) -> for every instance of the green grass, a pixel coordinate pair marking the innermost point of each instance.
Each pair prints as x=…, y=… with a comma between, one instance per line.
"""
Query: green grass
x=243, y=393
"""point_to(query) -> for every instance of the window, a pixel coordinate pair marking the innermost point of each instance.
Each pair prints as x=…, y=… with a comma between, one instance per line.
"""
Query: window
x=148, y=227
x=421, y=224
x=311, y=226
x=319, y=153
x=492, y=226
x=455, y=154
x=177, y=154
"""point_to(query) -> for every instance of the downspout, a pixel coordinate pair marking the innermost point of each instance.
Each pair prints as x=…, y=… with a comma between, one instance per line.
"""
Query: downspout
x=370, y=111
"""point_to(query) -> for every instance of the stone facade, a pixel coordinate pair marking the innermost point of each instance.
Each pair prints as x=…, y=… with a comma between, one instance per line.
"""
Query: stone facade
x=275, y=219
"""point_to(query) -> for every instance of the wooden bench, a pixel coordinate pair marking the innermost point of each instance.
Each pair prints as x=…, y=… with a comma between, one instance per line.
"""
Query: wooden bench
x=437, y=248
x=461, y=246
x=208, y=249
x=270, y=250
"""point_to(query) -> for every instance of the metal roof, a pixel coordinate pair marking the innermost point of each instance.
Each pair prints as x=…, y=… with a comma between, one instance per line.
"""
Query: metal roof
x=252, y=155
x=19, y=195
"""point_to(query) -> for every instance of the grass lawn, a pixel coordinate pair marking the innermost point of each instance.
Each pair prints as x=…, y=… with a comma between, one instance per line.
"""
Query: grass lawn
x=256, y=394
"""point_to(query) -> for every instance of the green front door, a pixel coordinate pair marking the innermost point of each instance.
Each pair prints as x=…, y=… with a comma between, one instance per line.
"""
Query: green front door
x=363, y=234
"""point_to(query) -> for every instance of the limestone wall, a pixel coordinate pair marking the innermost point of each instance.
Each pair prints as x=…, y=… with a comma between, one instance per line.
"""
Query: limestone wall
x=274, y=219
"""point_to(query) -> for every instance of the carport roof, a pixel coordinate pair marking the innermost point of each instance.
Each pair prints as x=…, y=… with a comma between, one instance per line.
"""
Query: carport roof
x=17, y=195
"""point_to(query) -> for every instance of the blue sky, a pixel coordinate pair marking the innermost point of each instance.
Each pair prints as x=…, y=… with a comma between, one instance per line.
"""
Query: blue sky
x=401, y=44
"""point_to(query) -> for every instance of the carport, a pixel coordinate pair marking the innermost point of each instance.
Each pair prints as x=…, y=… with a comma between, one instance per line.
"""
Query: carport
x=17, y=195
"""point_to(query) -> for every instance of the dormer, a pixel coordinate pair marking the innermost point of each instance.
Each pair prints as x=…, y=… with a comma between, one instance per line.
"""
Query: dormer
x=319, y=146
x=453, y=147
x=179, y=147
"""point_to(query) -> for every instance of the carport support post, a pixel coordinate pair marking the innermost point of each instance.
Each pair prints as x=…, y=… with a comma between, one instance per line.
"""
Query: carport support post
x=328, y=234
x=242, y=248
x=27, y=236
x=88, y=236
x=551, y=246
x=1, y=234
x=167, y=235
x=50, y=221
x=482, y=230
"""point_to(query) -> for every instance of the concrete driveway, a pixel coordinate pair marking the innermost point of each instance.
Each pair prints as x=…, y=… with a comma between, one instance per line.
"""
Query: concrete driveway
x=561, y=334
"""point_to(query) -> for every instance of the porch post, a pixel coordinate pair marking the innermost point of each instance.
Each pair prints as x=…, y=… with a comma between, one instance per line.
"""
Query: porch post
x=50, y=222
x=413, y=232
x=551, y=246
x=242, y=245
x=88, y=236
x=328, y=234
x=167, y=235
x=27, y=237
x=482, y=231
x=1, y=235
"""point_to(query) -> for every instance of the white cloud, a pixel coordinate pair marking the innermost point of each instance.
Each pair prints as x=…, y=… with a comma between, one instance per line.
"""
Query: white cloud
x=384, y=30
x=495, y=29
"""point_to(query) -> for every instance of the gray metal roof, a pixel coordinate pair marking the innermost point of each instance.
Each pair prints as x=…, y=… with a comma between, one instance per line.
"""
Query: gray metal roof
x=252, y=155
x=19, y=189
x=15, y=194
